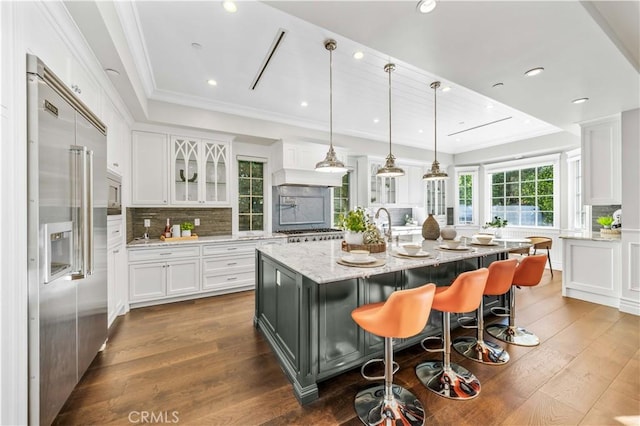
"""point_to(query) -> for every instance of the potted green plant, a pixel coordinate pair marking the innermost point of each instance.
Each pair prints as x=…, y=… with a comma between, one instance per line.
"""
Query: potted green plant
x=186, y=228
x=497, y=224
x=354, y=224
x=605, y=222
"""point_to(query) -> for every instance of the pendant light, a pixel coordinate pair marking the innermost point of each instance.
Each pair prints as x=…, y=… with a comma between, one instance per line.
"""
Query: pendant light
x=390, y=169
x=331, y=164
x=435, y=173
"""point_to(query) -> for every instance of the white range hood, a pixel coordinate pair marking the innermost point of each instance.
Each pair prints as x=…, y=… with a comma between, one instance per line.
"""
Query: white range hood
x=294, y=164
x=306, y=178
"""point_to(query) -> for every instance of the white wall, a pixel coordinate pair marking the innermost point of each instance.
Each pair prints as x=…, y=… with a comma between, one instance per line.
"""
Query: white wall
x=630, y=289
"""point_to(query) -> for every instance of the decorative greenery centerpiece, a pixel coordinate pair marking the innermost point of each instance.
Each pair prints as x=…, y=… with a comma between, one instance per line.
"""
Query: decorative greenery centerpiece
x=186, y=228
x=354, y=221
x=359, y=229
x=498, y=223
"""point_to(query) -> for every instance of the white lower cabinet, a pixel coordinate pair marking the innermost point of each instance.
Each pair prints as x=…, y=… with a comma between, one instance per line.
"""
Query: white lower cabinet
x=170, y=273
x=116, y=270
x=157, y=273
x=228, y=267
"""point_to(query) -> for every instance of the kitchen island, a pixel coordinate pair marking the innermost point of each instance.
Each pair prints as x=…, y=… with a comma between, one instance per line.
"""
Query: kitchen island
x=304, y=299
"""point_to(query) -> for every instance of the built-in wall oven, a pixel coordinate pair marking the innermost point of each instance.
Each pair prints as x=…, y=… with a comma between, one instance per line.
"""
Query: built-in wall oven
x=114, y=200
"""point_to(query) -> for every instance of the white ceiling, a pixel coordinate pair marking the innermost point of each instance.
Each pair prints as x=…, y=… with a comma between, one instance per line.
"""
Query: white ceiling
x=469, y=46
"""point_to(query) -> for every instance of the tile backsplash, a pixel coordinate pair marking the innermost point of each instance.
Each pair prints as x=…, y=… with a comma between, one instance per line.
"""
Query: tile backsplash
x=213, y=221
x=597, y=211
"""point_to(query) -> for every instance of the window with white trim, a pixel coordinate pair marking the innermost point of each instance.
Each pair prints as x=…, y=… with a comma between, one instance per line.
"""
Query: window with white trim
x=524, y=192
x=577, y=211
x=251, y=194
x=466, y=204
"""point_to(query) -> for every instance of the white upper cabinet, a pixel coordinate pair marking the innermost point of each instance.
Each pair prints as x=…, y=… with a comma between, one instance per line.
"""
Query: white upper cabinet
x=149, y=169
x=601, y=161
x=117, y=133
x=199, y=171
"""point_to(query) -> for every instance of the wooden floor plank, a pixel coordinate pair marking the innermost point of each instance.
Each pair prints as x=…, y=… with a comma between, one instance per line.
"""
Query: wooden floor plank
x=204, y=360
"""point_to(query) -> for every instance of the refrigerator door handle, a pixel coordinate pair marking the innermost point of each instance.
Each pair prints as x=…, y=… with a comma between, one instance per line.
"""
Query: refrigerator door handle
x=89, y=212
x=80, y=214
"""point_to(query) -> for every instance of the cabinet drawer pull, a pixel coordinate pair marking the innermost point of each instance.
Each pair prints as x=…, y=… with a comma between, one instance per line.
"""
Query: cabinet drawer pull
x=232, y=248
x=116, y=251
x=166, y=254
x=232, y=263
x=232, y=278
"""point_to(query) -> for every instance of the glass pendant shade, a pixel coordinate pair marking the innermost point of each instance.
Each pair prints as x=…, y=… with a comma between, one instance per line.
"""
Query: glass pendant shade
x=331, y=164
x=435, y=173
x=390, y=169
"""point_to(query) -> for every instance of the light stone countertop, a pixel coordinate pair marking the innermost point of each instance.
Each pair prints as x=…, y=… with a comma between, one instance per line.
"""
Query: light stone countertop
x=156, y=242
x=318, y=260
x=591, y=236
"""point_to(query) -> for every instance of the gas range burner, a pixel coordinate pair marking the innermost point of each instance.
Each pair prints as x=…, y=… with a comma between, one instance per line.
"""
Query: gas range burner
x=312, y=234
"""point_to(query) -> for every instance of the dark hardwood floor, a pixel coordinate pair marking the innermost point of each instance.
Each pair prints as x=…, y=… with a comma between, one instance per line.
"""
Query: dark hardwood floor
x=202, y=362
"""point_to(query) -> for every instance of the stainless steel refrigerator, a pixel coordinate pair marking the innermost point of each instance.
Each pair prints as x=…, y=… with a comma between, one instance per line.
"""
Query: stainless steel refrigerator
x=67, y=247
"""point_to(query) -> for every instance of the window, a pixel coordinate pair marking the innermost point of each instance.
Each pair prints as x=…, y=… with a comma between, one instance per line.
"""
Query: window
x=250, y=195
x=466, y=206
x=523, y=192
x=341, y=200
x=435, y=198
x=577, y=212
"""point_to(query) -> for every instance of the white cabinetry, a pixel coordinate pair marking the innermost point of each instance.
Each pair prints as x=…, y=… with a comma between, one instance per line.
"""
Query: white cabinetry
x=228, y=267
x=116, y=269
x=199, y=172
x=592, y=271
x=158, y=273
x=149, y=169
x=402, y=191
x=117, y=134
x=191, y=270
x=601, y=161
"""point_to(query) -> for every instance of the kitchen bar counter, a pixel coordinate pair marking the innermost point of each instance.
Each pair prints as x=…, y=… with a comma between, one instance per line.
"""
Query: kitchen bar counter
x=304, y=300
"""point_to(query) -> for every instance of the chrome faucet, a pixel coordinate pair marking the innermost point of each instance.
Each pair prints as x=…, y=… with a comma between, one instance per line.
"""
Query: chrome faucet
x=388, y=233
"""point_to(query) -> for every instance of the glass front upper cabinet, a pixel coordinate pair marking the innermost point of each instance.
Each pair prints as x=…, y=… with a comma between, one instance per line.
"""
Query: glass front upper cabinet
x=382, y=189
x=200, y=171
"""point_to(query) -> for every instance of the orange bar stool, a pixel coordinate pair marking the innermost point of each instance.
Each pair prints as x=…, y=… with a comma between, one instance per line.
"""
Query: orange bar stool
x=528, y=273
x=475, y=348
x=542, y=243
x=403, y=315
x=444, y=377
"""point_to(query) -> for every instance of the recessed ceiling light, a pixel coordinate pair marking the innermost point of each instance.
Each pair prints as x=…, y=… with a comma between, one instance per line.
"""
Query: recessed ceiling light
x=230, y=6
x=196, y=45
x=426, y=6
x=580, y=100
x=498, y=85
x=212, y=82
x=446, y=89
x=358, y=55
x=111, y=71
x=304, y=104
x=420, y=131
x=489, y=106
x=458, y=139
x=527, y=121
x=534, y=71
x=375, y=120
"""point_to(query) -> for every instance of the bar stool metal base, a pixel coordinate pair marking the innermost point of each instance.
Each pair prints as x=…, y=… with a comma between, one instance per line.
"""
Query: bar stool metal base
x=484, y=352
x=514, y=335
x=403, y=409
x=454, y=383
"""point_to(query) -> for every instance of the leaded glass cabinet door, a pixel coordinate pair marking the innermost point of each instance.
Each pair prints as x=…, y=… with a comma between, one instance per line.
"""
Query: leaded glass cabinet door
x=383, y=189
x=216, y=164
x=184, y=185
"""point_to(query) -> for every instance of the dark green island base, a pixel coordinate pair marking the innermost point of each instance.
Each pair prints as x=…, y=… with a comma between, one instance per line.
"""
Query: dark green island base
x=304, y=300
